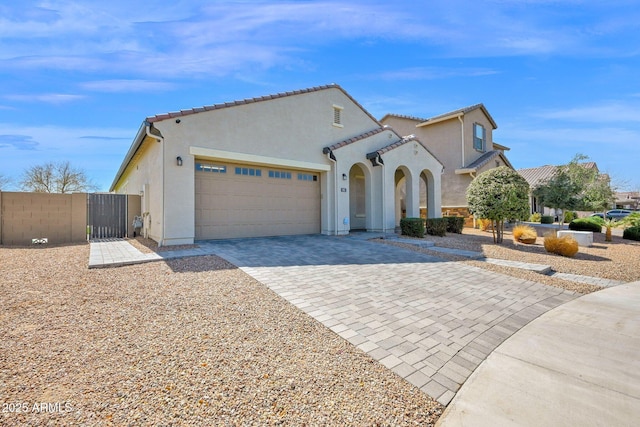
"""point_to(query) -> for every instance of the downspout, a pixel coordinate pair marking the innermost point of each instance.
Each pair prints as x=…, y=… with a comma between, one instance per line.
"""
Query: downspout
x=160, y=139
x=384, y=199
x=333, y=160
x=462, y=137
x=473, y=176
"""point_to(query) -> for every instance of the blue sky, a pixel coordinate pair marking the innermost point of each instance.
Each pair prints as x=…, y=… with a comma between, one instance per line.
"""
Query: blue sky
x=559, y=77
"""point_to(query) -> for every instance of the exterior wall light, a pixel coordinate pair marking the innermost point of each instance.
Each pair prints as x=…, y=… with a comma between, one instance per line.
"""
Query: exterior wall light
x=344, y=176
x=179, y=161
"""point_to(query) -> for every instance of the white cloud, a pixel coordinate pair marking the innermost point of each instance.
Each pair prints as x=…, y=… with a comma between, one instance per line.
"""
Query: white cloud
x=434, y=73
x=607, y=112
x=127, y=86
x=223, y=38
x=49, y=98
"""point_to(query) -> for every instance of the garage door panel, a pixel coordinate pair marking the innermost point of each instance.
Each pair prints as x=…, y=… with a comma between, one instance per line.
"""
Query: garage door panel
x=230, y=205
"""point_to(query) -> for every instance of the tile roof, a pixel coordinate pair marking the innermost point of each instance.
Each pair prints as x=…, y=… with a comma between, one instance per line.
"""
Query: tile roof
x=536, y=176
x=402, y=116
x=400, y=141
x=463, y=111
x=181, y=113
x=453, y=113
x=359, y=137
x=486, y=158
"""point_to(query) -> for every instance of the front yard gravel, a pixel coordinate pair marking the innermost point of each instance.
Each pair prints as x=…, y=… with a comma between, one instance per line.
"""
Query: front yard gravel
x=193, y=341
x=616, y=260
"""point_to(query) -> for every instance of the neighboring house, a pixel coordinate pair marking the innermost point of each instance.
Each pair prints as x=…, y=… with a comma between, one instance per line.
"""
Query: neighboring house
x=302, y=162
x=628, y=200
x=536, y=176
x=463, y=141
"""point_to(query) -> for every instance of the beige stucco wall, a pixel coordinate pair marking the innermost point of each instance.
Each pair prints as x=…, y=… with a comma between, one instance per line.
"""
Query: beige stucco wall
x=143, y=177
x=411, y=157
x=61, y=218
x=445, y=140
x=292, y=128
x=291, y=132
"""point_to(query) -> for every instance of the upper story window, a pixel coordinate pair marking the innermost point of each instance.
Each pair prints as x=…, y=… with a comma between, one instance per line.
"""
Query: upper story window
x=479, y=137
x=337, y=116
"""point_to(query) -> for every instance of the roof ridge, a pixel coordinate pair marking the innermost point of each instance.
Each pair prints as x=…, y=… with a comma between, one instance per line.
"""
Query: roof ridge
x=358, y=137
x=404, y=116
x=181, y=113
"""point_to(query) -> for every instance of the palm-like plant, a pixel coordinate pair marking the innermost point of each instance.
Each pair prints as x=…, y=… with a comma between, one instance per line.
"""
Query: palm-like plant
x=610, y=224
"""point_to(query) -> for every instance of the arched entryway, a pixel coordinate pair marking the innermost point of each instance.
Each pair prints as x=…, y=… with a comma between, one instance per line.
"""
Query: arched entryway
x=427, y=202
x=424, y=196
x=357, y=198
x=400, y=180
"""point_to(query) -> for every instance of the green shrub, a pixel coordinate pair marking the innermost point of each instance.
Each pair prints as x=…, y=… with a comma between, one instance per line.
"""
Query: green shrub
x=437, y=226
x=546, y=219
x=454, y=224
x=535, y=217
x=586, y=224
x=570, y=216
x=632, y=220
x=632, y=233
x=413, y=227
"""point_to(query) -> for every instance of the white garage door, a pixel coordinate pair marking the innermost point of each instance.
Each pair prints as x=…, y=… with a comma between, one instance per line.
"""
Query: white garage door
x=251, y=201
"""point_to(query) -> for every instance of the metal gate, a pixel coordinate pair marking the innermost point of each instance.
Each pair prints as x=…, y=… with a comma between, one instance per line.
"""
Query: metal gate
x=107, y=216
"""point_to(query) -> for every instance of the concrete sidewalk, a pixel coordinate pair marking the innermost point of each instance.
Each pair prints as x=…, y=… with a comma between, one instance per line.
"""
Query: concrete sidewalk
x=576, y=365
x=106, y=253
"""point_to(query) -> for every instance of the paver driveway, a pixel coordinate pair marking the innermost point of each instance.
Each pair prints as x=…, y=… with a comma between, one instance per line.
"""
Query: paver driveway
x=432, y=322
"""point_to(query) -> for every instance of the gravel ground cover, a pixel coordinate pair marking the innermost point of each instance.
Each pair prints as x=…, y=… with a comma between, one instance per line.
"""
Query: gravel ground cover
x=617, y=260
x=193, y=341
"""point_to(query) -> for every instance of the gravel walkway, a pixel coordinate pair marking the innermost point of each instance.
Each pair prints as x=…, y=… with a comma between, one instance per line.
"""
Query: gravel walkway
x=185, y=342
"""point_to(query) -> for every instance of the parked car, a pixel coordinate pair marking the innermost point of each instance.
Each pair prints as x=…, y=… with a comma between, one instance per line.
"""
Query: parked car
x=598, y=214
x=618, y=213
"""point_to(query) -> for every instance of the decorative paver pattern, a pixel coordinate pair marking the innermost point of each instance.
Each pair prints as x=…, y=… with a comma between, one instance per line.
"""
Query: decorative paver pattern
x=431, y=322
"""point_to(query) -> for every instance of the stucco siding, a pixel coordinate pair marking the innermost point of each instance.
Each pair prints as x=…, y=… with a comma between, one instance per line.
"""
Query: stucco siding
x=282, y=131
x=144, y=177
x=476, y=116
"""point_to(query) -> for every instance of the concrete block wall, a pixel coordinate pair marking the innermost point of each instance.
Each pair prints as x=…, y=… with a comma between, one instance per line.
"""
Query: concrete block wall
x=61, y=218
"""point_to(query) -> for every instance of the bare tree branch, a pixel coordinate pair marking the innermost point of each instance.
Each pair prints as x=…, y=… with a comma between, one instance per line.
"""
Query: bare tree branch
x=59, y=177
x=5, y=181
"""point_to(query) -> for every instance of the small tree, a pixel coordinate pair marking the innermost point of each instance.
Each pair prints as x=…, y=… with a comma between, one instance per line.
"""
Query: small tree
x=559, y=192
x=58, y=177
x=499, y=194
x=576, y=186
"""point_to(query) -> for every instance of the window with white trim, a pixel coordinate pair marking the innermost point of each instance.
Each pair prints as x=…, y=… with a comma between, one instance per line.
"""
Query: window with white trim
x=479, y=137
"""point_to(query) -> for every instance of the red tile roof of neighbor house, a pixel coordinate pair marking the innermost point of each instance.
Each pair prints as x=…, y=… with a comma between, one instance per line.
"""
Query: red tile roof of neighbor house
x=452, y=114
x=182, y=113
